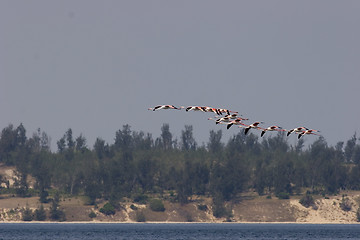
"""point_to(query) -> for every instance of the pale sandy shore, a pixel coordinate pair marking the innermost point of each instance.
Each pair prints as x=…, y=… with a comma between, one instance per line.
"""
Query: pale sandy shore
x=255, y=211
x=99, y=222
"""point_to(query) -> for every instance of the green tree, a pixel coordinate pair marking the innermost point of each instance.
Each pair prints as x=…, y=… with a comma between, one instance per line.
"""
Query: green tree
x=279, y=143
x=316, y=159
x=80, y=143
x=142, y=141
x=339, y=151
x=215, y=145
x=21, y=184
x=356, y=154
x=349, y=148
x=262, y=176
x=123, y=139
x=55, y=212
x=69, y=139
x=61, y=144
x=45, y=141
x=41, y=170
x=184, y=182
x=353, y=178
x=282, y=173
x=92, y=184
x=218, y=207
x=157, y=205
x=101, y=149
x=21, y=136
x=146, y=170
x=166, y=137
x=299, y=145
x=28, y=214
x=187, y=140
x=40, y=213
x=8, y=144
x=108, y=209
x=200, y=177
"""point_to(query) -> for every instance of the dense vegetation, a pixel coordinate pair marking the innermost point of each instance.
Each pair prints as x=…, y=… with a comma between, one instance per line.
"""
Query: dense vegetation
x=136, y=165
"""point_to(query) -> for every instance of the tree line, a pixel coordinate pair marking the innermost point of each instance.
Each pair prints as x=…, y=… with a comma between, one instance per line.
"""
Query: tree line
x=136, y=164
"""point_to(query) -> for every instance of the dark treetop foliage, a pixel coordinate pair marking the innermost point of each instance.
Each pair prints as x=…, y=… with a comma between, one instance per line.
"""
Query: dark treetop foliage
x=136, y=165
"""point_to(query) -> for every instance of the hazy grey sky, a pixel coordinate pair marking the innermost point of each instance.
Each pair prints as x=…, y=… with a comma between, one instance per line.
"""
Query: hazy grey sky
x=94, y=66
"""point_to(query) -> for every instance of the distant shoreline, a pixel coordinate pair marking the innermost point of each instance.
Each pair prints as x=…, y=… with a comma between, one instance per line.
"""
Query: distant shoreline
x=99, y=222
x=258, y=210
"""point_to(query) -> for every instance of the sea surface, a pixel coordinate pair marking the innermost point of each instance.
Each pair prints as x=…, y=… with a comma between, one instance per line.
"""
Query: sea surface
x=196, y=231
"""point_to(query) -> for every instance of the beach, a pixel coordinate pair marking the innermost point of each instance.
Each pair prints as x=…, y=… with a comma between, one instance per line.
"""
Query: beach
x=327, y=210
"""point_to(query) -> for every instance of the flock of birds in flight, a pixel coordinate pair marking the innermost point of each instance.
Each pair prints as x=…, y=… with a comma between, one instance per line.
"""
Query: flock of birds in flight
x=232, y=118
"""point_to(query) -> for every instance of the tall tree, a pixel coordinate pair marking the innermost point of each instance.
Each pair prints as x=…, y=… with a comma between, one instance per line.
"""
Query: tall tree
x=100, y=148
x=349, y=148
x=21, y=135
x=61, y=145
x=8, y=144
x=166, y=137
x=80, y=143
x=45, y=141
x=339, y=151
x=299, y=145
x=123, y=139
x=41, y=170
x=69, y=139
x=356, y=154
x=187, y=140
x=215, y=145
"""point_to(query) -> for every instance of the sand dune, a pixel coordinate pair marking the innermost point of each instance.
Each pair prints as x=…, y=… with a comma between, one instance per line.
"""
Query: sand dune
x=258, y=209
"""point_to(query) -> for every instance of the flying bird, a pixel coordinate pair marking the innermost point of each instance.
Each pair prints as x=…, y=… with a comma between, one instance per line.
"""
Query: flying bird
x=195, y=108
x=254, y=125
x=164, y=107
x=272, y=128
x=232, y=118
x=308, y=131
x=226, y=119
x=210, y=109
x=297, y=130
x=237, y=121
x=222, y=110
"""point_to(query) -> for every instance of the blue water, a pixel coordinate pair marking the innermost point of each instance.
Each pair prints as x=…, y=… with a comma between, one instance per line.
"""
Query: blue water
x=196, y=231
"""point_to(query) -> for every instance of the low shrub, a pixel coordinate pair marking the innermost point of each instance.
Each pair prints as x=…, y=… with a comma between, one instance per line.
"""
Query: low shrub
x=157, y=205
x=108, y=209
x=202, y=207
x=283, y=195
x=92, y=214
x=220, y=210
x=307, y=201
x=345, y=204
x=141, y=198
x=40, y=214
x=133, y=207
x=28, y=214
x=140, y=216
x=56, y=213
